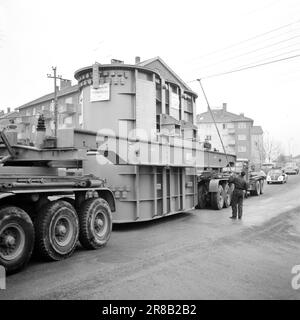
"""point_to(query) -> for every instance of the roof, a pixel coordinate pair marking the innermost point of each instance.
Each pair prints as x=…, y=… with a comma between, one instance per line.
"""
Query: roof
x=257, y=130
x=50, y=96
x=148, y=62
x=220, y=115
x=9, y=115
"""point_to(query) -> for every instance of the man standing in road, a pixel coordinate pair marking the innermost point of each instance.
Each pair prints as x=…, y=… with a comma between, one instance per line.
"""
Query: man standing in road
x=240, y=186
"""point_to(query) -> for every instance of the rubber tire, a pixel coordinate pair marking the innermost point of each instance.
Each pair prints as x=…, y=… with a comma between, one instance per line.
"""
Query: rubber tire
x=43, y=246
x=227, y=191
x=215, y=196
x=9, y=214
x=262, y=186
x=87, y=209
x=69, y=200
x=201, y=200
x=256, y=192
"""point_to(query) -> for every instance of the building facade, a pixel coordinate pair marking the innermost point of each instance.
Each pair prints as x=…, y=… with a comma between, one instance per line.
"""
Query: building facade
x=258, y=151
x=68, y=112
x=239, y=135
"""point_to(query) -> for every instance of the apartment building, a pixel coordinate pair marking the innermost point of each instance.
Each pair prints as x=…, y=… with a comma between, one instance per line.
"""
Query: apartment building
x=68, y=111
x=239, y=135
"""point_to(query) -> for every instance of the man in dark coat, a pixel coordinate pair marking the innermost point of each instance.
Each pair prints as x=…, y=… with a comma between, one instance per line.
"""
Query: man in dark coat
x=240, y=186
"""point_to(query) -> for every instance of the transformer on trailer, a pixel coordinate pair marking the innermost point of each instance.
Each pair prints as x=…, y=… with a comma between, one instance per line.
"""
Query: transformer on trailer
x=147, y=145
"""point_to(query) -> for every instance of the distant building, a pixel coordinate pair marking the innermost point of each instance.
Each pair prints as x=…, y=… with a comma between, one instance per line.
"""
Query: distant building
x=68, y=111
x=258, y=151
x=239, y=135
x=7, y=118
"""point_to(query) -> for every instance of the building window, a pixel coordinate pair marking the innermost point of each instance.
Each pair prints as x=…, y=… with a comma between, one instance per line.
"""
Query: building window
x=242, y=125
x=224, y=125
x=242, y=149
x=208, y=138
x=242, y=137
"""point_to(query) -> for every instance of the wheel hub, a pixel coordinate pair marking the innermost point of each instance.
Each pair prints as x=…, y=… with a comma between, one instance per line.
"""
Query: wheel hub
x=12, y=241
x=99, y=223
x=9, y=241
x=61, y=230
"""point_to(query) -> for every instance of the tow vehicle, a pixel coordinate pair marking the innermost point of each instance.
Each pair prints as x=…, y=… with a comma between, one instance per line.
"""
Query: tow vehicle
x=43, y=211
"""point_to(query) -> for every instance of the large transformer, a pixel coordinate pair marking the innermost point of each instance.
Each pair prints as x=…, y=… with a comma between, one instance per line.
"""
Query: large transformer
x=142, y=119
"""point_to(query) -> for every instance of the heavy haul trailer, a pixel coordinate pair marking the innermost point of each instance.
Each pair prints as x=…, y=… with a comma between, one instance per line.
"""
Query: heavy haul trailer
x=42, y=210
x=154, y=179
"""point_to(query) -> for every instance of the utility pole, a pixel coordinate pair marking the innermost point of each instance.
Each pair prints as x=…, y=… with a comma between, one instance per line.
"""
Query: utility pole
x=55, y=77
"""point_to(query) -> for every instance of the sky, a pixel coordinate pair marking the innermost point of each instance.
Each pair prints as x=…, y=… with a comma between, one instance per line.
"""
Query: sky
x=195, y=38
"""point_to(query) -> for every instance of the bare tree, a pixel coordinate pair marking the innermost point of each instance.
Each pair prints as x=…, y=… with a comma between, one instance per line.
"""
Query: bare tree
x=272, y=148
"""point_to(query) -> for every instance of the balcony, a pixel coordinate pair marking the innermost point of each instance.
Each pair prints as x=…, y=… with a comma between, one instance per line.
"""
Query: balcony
x=231, y=143
x=47, y=114
x=24, y=120
x=68, y=108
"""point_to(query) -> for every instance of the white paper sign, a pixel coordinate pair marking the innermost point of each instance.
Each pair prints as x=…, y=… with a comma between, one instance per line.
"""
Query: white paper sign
x=100, y=94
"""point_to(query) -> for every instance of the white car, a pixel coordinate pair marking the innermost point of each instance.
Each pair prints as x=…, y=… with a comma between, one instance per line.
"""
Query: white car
x=276, y=176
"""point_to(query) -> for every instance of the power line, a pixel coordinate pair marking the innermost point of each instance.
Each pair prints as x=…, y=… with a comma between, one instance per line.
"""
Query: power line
x=212, y=115
x=245, y=68
x=246, y=40
x=278, y=55
x=252, y=51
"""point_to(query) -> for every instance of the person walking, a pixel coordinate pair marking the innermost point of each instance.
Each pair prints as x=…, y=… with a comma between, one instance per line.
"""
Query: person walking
x=240, y=187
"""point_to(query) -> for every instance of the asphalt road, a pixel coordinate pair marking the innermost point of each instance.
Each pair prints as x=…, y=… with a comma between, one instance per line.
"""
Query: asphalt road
x=198, y=255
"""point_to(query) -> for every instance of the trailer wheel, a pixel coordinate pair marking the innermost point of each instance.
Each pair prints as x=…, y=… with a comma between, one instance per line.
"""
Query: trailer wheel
x=69, y=200
x=227, y=195
x=16, y=238
x=261, y=186
x=217, y=198
x=57, y=230
x=95, y=222
x=201, y=197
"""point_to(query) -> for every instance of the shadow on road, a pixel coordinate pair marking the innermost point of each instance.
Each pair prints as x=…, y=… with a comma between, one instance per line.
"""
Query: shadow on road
x=152, y=223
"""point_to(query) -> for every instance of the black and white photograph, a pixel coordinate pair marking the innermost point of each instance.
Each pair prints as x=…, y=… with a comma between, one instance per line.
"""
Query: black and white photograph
x=150, y=151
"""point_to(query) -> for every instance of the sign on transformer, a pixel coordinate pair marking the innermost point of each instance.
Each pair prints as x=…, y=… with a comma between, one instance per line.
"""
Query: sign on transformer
x=102, y=93
x=99, y=92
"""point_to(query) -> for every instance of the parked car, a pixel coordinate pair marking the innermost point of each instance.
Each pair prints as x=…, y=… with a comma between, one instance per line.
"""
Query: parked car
x=276, y=176
x=291, y=169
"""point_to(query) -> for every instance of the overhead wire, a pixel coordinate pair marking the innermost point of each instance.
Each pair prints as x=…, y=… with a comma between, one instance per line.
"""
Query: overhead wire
x=247, y=40
x=252, y=51
x=245, y=68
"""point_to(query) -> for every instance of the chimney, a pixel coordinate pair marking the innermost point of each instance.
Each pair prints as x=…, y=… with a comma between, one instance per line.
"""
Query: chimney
x=137, y=60
x=65, y=84
x=224, y=106
x=8, y=110
x=242, y=114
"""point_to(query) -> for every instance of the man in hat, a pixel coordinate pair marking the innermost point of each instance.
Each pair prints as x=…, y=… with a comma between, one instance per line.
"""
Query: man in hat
x=240, y=187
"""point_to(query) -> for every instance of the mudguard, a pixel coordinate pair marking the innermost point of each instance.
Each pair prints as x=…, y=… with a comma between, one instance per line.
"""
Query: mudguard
x=214, y=185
